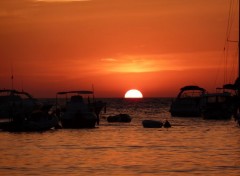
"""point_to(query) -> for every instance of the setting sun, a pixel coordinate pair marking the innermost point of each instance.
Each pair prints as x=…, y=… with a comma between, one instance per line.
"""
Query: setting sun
x=133, y=93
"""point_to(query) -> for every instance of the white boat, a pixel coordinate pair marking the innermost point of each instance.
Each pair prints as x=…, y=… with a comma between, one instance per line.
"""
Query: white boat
x=81, y=110
x=188, y=102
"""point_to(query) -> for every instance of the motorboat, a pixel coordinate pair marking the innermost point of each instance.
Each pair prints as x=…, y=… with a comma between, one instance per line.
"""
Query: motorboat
x=81, y=110
x=218, y=106
x=14, y=103
x=188, y=102
x=23, y=113
x=38, y=121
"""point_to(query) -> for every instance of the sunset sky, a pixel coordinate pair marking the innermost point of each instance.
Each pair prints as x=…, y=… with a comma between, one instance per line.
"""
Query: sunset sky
x=155, y=46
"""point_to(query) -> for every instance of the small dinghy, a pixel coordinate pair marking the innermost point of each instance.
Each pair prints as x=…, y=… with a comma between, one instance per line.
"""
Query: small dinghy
x=152, y=124
x=119, y=118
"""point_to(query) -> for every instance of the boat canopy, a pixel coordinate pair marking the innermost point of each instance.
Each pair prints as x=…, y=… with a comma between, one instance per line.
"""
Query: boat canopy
x=76, y=92
x=224, y=94
x=12, y=91
x=192, y=88
x=229, y=86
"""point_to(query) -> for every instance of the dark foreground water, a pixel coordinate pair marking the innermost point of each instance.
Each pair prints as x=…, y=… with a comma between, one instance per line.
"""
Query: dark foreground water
x=192, y=146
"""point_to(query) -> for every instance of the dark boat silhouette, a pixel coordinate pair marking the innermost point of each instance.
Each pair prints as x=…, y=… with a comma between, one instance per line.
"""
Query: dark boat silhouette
x=24, y=113
x=152, y=124
x=188, y=102
x=119, y=118
x=218, y=106
x=225, y=104
x=81, y=110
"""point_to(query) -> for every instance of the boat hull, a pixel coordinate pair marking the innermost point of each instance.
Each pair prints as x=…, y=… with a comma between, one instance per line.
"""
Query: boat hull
x=217, y=114
x=38, y=121
x=120, y=118
x=186, y=108
x=218, y=106
x=80, y=120
x=188, y=102
x=152, y=124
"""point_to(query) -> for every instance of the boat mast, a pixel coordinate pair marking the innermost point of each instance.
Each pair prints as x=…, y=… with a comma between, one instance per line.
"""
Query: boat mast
x=237, y=82
x=12, y=76
x=238, y=40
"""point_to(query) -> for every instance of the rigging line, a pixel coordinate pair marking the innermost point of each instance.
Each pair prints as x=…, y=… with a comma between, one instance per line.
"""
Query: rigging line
x=226, y=44
x=12, y=76
x=220, y=66
x=231, y=69
x=234, y=13
x=225, y=64
x=231, y=17
x=233, y=61
x=228, y=23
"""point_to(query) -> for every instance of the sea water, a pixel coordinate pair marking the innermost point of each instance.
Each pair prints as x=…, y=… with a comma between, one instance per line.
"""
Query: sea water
x=192, y=146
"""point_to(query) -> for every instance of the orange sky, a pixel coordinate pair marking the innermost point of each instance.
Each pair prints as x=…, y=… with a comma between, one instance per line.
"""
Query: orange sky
x=156, y=46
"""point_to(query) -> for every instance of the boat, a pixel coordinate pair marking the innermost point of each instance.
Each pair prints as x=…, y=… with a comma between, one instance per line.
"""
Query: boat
x=14, y=103
x=38, y=121
x=218, y=106
x=80, y=111
x=119, y=118
x=188, y=102
x=226, y=103
x=23, y=113
x=152, y=124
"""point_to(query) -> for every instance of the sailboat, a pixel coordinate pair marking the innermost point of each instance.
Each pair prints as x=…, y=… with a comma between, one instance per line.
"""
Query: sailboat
x=224, y=103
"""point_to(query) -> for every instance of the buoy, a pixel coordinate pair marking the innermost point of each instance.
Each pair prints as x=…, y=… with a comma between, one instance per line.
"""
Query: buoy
x=167, y=124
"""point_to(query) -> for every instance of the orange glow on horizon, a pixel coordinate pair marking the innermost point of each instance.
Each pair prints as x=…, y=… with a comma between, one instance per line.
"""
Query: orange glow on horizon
x=158, y=46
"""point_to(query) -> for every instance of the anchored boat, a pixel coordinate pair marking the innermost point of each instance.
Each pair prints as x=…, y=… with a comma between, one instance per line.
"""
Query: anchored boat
x=23, y=113
x=188, y=102
x=81, y=110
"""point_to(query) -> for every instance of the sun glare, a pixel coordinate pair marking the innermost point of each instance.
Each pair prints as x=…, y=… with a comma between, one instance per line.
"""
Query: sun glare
x=133, y=93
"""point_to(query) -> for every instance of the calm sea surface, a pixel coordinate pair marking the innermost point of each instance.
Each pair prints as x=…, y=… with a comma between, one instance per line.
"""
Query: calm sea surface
x=192, y=146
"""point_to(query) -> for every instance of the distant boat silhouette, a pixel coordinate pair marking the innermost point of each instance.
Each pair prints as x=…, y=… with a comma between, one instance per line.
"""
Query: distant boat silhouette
x=152, y=124
x=119, y=118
